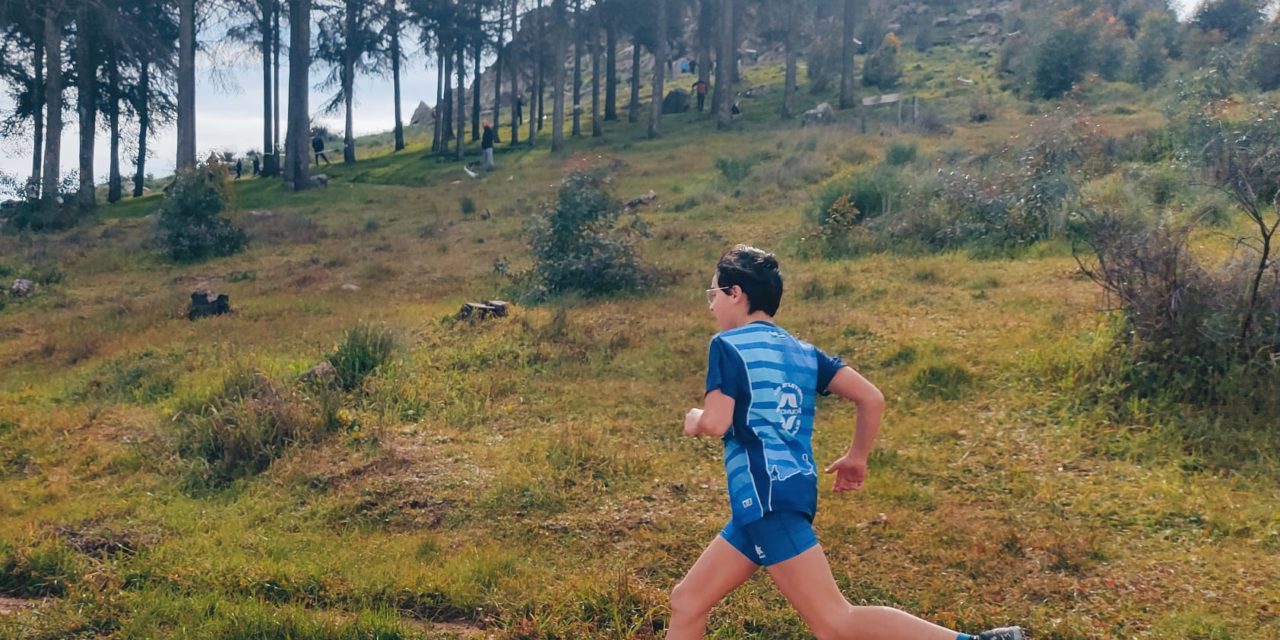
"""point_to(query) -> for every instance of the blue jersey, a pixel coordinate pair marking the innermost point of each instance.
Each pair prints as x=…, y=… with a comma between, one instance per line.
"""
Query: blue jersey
x=768, y=452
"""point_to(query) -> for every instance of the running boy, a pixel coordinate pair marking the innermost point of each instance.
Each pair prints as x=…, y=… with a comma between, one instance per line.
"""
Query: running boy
x=761, y=384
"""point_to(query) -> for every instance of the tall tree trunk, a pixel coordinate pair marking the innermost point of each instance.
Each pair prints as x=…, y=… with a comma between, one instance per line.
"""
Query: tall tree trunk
x=461, y=92
x=268, y=17
x=535, y=103
x=186, y=84
x=86, y=103
x=394, y=17
x=349, y=55
x=706, y=27
x=560, y=14
x=37, y=114
x=542, y=67
x=610, y=68
x=144, y=123
x=846, y=60
x=596, y=129
x=789, y=86
x=659, y=70
x=275, y=54
x=515, y=74
x=475, y=89
x=497, y=71
x=725, y=62
x=446, y=113
x=717, y=46
x=438, y=112
x=52, y=99
x=739, y=17
x=297, y=167
x=577, y=68
x=114, y=187
x=633, y=107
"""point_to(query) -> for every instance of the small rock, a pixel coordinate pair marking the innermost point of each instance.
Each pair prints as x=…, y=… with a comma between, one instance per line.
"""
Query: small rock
x=320, y=181
x=350, y=286
x=323, y=371
x=640, y=201
x=22, y=288
x=482, y=310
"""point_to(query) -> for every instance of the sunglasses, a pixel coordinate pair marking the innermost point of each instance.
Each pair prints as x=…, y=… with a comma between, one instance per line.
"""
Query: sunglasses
x=711, y=293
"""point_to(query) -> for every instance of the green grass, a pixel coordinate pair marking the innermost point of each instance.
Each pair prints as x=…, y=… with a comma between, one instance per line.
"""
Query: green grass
x=526, y=477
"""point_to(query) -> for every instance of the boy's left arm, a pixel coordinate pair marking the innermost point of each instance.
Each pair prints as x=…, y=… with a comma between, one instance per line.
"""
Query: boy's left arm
x=713, y=419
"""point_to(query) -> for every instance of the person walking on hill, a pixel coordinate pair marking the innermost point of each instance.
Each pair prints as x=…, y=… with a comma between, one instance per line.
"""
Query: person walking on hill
x=700, y=90
x=759, y=401
x=317, y=145
x=487, y=140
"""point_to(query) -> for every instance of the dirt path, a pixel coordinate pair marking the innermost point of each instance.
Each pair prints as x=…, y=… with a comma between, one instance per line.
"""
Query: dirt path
x=9, y=606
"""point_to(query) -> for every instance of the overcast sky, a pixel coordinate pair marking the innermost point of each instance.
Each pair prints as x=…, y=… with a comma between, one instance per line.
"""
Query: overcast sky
x=229, y=112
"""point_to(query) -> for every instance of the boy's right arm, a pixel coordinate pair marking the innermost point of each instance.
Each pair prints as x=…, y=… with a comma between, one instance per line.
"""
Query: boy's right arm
x=851, y=468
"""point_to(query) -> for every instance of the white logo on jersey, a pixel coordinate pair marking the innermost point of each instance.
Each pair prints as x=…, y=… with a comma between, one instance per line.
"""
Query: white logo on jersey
x=790, y=399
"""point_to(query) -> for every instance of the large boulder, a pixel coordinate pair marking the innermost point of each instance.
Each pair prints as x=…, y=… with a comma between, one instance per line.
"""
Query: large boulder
x=423, y=115
x=677, y=101
x=821, y=113
x=22, y=288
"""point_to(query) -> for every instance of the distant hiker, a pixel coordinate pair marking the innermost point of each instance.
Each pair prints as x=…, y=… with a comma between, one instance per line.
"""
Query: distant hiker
x=486, y=145
x=317, y=145
x=700, y=90
x=239, y=167
x=759, y=402
x=736, y=109
x=693, y=66
x=257, y=166
x=519, y=110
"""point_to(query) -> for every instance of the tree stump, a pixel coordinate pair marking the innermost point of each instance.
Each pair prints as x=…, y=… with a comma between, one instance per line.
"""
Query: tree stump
x=206, y=303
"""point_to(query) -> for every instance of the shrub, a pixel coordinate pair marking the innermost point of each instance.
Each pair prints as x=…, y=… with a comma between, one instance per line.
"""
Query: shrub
x=578, y=246
x=942, y=381
x=1261, y=61
x=189, y=218
x=871, y=193
x=1181, y=336
x=882, y=68
x=245, y=426
x=900, y=153
x=982, y=109
x=38, y=572
x=1060, y=61
x=734, y=170
x=364, y=349
x=1233, y=18
x=35, y=214
x=1164, y=185
x=1152, y=59
x=467, y=205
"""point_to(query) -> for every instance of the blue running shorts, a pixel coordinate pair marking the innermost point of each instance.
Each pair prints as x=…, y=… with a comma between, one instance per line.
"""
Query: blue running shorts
x=777, y=537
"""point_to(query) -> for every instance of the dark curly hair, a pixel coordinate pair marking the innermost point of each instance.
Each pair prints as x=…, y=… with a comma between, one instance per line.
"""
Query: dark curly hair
x=756, y=272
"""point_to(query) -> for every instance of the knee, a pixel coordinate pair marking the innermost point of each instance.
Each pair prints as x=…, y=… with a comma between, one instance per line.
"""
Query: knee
x=686, y=603
x=840, y=624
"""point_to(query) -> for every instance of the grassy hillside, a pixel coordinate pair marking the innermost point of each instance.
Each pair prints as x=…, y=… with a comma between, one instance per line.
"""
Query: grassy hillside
x=526, y=477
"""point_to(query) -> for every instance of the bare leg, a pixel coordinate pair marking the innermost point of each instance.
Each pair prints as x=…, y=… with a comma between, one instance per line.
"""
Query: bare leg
x=719, y=570
x=808, y=585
